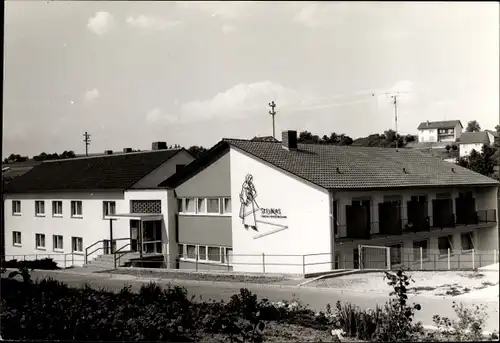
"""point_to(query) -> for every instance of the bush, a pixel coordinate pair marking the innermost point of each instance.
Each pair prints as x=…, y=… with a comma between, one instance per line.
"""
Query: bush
x=43, y=264
x=392, y=322
x=468, y=327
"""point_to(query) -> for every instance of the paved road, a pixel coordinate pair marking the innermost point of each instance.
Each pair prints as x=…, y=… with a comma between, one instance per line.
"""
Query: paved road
x=316, y=298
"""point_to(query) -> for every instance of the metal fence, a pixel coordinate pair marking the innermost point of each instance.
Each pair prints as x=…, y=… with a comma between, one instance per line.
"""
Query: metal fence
x=425, y=259
x=63, y=260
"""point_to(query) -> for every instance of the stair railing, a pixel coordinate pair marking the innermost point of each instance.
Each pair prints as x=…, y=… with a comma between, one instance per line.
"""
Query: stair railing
x=87, y=254
x=121, y=253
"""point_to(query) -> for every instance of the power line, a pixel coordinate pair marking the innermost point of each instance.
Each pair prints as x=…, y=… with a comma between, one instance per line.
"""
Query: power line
x=273, y=113
x=87, y=141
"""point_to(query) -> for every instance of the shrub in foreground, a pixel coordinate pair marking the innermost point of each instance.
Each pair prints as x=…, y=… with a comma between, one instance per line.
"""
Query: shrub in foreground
x=43, y=264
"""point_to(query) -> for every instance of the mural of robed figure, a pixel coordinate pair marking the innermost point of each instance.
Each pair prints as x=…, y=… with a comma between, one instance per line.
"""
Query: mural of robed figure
x=248, y=204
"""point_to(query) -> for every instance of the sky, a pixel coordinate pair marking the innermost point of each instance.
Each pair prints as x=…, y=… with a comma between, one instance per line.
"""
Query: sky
x=192, y=73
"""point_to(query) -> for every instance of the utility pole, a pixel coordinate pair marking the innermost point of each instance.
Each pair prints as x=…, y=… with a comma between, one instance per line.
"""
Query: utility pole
x=273, y=113
x=87, y=141
x=394, y=96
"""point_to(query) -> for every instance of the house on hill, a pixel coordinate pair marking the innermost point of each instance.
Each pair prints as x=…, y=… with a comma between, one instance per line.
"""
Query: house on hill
x=59, y=208
x=284, y=207
x=439, y=131
x=474, y=141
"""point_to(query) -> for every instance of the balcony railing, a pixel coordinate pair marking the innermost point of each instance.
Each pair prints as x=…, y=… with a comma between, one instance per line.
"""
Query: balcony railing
x=487, y=216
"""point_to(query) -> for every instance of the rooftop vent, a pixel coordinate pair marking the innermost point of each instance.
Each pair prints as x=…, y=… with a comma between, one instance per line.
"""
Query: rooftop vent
x=159, y=145
x=126, y=150
x=338, y=170
x=404, y=171
x=289, y=140
x=108, y=152
x=453, y=170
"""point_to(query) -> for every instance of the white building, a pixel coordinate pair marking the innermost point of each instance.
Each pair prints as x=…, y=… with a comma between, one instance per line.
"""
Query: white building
x=474, y=141
x=439, y=131
x=253, y=206
x=258, y=206
x=60, y=208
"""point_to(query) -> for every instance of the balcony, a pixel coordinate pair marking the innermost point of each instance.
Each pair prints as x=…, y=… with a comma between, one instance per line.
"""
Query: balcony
x=417, y=219
x=466, y=211
x=389, y=218
x=357, y=222
x=442, y=211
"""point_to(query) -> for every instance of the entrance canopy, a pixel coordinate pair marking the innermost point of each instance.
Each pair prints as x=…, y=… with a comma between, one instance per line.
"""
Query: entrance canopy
x=145, y=217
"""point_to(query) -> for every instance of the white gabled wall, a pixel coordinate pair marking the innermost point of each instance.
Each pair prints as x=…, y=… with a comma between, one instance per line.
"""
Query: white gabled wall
x=466, y=149
x=91, y=226
x=306, y=207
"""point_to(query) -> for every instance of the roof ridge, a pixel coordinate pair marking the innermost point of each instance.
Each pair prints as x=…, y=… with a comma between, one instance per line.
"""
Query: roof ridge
x=112, y=155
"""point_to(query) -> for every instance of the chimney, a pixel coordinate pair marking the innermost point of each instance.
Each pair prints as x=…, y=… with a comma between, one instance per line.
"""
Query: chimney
x=108, y=152
x=289, y=140
x=428, y=123
x=126, y=150
x=159, y=145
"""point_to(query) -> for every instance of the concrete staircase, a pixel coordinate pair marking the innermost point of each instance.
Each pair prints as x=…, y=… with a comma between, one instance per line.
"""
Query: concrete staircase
x=103, y=262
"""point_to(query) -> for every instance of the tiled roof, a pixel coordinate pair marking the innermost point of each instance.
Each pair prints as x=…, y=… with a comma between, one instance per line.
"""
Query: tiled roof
x=448, y=124
x=119, y=171
x=348, y=167
x=474, y=138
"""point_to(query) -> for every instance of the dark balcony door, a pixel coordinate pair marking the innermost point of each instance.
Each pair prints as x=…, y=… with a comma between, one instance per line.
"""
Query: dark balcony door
x=466, y=211
x=442, y=213
x=389, y=218
x=335, y=217
x=357, y=220
x=417, y=216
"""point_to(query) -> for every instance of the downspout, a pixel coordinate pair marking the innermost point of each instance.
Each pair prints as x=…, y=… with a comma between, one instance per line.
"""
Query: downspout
x=332, y=230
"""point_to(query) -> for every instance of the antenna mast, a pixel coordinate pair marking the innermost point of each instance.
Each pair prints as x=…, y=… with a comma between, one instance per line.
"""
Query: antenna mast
x=87, y=141
x=394, y=96
x=273, y=113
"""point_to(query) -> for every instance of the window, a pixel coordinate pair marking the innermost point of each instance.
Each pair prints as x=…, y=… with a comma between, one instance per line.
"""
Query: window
x=40, y=241
x=77, y=244
x=16, y=207
x=444, y=243
x=180, y=208
x=57, y=242
x=201, y=205
x=214, y=254
x=213, y=206
x=16, y=238
x=396, y=252
x=39, y=208
x=57, y=210
x=190, y=205
x=191, y=251
x=416, y=249
x=227, y=205
x=202, y=251
x=76, y=208
x=467, y=241
x=108, y=208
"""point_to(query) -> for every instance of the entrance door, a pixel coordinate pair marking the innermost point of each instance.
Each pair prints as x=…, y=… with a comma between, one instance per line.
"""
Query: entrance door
x=355, y=257
x=151, y=242
x=107, y=249
x=134, y=234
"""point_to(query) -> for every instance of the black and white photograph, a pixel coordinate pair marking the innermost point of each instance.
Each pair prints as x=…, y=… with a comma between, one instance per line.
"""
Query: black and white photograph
x=250, y=171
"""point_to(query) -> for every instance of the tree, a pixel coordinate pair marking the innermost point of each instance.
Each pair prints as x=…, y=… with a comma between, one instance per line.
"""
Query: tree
x=482, y=163
x=196, y=151
x=454, y=147
x=473, y=126
x=448, y=147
